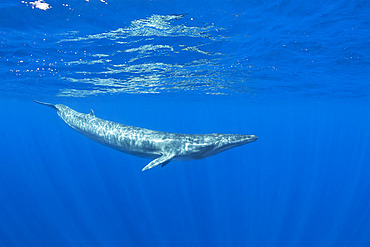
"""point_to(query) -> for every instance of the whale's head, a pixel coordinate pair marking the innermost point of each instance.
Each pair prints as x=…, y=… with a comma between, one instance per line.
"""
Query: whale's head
x=216, y=143
x=227, y=141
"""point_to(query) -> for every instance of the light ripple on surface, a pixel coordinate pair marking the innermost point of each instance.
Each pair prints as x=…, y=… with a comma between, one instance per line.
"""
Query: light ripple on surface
x=139, y=59
x=242, y=53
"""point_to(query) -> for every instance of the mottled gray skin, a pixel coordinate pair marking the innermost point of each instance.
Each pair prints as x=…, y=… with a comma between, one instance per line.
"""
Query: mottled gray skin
x=160, y=146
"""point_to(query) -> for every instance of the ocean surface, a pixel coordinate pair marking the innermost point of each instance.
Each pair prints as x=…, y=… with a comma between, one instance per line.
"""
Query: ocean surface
x=296, y=74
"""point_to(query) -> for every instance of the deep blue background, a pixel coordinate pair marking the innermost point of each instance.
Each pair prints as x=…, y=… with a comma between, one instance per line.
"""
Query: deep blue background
x=297, y=76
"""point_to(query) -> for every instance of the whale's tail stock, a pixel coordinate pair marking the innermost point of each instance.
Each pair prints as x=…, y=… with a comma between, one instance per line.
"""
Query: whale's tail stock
x=47, y=104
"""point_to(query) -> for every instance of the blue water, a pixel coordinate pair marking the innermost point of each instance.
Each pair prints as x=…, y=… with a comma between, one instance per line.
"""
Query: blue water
x=296, y=74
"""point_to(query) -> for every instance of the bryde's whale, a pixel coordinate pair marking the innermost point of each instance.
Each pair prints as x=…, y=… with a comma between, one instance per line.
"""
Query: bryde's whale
x=162, y=147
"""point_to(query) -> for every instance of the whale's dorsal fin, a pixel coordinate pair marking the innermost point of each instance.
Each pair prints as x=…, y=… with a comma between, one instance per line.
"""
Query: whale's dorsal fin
x=92, y=113
x=164, y=160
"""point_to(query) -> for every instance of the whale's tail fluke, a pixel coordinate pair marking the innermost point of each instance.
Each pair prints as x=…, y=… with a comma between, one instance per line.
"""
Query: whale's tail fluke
x=47, y=104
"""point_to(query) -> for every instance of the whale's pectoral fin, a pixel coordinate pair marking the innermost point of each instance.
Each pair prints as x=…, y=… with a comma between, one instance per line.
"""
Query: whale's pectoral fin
x=164, y=160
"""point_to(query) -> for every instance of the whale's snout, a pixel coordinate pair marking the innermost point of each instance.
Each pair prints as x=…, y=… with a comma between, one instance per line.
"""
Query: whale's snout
x=253, y=138
x=241, y=139
x=234, y=140
x=246, y=139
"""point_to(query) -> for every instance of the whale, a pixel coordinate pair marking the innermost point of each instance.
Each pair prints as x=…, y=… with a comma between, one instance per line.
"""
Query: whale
x=161, y=147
